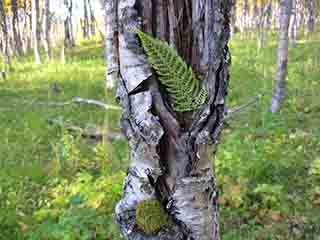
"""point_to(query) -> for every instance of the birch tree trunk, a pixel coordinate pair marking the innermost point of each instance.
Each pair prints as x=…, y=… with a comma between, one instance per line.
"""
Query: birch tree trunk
x=36, y=30
x=69, y=40
x=311, y=15
x=86, y=31
x=170, y=151
x=47, y=29
x=233, y=17
x=282, y=63
x=293, y=24
x=5, y=37
x=92, y=19
x=16, y=28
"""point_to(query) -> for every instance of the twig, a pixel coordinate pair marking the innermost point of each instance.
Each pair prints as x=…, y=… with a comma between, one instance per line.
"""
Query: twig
x=232, y=112
x=78, y=100
x=93, y=134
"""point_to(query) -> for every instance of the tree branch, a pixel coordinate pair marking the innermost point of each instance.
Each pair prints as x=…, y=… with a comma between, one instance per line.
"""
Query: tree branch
x=93, y=134
x=78, y=100
x=230, y=113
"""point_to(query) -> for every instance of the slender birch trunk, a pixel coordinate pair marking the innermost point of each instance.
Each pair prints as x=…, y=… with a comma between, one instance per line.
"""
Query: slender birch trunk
x=36, y=30
x=86, y=30
x=170, y=151
x=282, y=64
x=16, y=28
x=311, y=15
x=47, y=29
x=69, y=40
x=233, y=17
x=5, y=37
x=92, y=19
x=293, y=24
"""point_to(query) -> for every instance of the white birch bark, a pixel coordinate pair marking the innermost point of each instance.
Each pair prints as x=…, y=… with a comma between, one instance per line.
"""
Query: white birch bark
x=36, y=30
x=282, y=63
x=5, y=38
x=170, y=151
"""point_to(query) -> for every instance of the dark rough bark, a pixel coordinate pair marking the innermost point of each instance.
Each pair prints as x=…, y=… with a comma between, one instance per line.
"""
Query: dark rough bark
x=15, y=28
x=170, y=152
x=5, y=37
x=282, y=64
x=36, y=30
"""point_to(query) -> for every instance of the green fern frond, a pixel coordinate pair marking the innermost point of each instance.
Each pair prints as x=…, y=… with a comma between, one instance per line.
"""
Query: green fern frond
x=185, y=90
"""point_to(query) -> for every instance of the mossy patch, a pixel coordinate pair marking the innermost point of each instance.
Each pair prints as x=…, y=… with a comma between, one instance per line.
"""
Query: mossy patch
x=151, y=217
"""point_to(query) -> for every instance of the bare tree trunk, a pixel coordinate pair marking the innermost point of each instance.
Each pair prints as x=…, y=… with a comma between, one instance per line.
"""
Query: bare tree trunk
x=92, y=19
x=69, y=40
x=233, y=17
x=282, y=64
x=255, y=16
x=47, y=29
x=311, y=16
x=15, y=28
x=26, y=27
x=86, y=30
x=293, y=24
x=170, y=151
x=5, y=37
x=245, y=16
x=36, y=30
x=111, y=42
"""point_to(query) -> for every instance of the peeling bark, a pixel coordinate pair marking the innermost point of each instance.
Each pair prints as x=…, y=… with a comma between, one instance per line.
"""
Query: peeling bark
x=282, y=64
x=170, y=157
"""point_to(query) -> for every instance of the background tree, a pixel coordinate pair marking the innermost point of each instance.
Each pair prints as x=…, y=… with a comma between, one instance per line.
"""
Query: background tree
x=293, y=24
x=282, y=63
x=170, y=158
x=311, y=15
x=92, y=19
x=47, y=28
x=36, y=30
x=5, y=37
x=86, y=25
x=69, y=40
x=16, y=28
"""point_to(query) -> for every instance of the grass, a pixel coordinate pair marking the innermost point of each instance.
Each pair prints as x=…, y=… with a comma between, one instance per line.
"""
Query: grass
x=268, y=166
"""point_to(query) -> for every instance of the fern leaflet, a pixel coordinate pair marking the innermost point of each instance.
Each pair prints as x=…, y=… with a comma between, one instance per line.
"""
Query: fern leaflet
x=185, y=90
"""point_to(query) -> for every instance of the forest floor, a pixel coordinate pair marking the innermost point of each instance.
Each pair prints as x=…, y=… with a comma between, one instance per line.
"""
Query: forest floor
x=56, y=185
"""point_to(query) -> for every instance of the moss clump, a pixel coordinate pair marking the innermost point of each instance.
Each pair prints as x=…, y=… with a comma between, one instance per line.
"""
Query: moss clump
x=151, y=217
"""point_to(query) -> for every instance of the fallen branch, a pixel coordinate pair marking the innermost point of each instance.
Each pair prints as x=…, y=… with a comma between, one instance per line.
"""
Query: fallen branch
x=233, y=111
x=93, y=134
x=78, y=100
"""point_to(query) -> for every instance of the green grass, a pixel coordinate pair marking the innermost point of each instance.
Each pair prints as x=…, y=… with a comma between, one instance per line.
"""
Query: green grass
x=268, y=166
